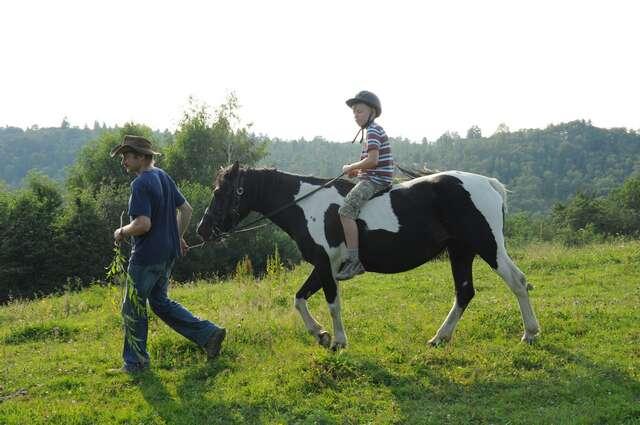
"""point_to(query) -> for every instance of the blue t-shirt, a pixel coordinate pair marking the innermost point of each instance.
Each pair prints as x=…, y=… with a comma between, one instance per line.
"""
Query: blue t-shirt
x=155, y=195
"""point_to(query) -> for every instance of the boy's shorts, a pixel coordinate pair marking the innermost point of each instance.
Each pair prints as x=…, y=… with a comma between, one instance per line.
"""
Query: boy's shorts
x=356, y=198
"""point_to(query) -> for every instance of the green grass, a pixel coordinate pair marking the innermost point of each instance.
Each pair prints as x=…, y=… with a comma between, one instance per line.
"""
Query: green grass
x=585, y=367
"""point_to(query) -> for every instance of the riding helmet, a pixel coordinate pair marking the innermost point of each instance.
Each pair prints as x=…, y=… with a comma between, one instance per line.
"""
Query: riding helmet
x=368, y=99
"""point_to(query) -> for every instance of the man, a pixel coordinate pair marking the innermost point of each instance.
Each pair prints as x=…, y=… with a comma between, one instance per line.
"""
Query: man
x=157, y=231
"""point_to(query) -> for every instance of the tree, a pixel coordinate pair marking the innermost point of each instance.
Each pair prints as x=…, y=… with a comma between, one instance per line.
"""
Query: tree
x=204, y=143
x=448, y=136
x=474, y=132
x=502, y=129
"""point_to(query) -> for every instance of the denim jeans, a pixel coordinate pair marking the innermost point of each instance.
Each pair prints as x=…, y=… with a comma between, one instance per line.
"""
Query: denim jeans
x=151, y=283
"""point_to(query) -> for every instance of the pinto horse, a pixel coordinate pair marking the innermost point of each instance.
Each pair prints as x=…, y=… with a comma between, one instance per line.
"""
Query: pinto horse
x=400, y=228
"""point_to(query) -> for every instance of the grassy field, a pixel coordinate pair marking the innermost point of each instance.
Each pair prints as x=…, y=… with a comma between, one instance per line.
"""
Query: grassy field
x=584, y=368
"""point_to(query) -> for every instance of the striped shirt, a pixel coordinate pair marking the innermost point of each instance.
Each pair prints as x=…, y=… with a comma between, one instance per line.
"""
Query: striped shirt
x=377, y=140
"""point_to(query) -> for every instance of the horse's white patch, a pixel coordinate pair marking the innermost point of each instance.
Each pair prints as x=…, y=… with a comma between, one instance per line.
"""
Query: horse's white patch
x=377, y=213
x=486, y=199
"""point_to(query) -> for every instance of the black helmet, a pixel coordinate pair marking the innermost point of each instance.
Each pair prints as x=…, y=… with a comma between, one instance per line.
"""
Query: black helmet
x=368, y=99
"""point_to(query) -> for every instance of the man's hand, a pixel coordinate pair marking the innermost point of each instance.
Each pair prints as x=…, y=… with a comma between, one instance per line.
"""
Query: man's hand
x=118, y=235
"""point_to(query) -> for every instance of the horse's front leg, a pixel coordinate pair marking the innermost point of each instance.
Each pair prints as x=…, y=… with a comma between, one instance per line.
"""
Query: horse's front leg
x=332, y=296
x=310, y=287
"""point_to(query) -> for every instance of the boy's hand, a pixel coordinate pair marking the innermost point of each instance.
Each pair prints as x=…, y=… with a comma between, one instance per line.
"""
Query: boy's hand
x=184, y=247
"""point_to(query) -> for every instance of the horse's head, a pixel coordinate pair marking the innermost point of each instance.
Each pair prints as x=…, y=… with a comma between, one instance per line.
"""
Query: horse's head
x=228, y=204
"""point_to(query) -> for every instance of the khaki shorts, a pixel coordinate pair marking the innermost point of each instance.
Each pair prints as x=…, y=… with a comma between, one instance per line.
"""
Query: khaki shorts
x=357, y=197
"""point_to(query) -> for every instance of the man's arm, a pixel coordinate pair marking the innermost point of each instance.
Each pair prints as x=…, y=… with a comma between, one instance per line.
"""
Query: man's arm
x=184, y=217
x=139, y=226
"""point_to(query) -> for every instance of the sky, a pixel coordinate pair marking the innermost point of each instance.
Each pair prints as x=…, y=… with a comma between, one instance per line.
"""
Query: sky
x=437, y=66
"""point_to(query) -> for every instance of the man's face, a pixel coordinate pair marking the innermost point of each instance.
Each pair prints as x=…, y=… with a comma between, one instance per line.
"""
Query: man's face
x=361, y=113
x=132, y=162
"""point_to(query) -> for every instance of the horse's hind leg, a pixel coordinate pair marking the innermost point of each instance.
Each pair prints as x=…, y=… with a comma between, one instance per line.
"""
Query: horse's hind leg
x=518, y=283
x=461, y=259
x=310, y=287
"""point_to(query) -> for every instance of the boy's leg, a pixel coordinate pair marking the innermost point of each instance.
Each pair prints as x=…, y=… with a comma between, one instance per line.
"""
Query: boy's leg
x=353, y=202
x=134, y=315
x=350, y=231
x=175, y=315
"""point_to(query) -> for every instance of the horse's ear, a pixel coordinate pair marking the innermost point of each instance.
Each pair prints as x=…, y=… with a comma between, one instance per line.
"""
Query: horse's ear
x=235, y=167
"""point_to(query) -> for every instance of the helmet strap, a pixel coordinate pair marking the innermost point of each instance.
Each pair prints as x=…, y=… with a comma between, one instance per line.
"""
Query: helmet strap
x=361, y=131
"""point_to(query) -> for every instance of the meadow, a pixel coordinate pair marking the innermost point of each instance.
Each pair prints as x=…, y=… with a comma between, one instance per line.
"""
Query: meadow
x=583, y=369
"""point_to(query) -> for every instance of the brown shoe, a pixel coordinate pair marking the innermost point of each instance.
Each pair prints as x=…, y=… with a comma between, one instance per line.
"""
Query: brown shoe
x=213, y=345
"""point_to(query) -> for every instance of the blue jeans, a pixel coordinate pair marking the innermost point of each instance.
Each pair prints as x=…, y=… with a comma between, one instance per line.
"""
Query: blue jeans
x=151, y=283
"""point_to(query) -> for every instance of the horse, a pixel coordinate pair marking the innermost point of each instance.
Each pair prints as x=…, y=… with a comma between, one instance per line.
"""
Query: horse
x=399, y=229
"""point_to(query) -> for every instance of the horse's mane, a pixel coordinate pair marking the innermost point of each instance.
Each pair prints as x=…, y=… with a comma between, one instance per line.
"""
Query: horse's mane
x=412, y=174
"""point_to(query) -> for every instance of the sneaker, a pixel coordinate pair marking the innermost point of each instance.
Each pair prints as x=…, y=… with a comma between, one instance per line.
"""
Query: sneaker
x=350, y=268
x=213, y=345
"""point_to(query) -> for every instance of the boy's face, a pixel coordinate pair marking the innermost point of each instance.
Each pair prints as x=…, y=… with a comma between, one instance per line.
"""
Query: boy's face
x=361, y=113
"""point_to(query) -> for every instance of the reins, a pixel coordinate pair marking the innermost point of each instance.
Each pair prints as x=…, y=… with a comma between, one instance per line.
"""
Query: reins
x=248, y=227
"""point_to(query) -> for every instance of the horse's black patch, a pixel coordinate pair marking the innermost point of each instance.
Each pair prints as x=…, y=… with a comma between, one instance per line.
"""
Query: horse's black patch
x=333, y=227
x=459, y=215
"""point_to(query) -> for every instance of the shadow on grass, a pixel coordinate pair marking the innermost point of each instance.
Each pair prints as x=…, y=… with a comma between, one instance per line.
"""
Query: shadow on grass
x=575, y=390
x=197, y=401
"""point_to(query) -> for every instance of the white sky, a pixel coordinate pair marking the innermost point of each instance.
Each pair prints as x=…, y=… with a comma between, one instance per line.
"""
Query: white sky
x=437, y=65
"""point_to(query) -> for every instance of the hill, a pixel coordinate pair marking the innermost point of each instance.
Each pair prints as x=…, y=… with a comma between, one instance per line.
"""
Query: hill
x=583, y=369
x=48, y=150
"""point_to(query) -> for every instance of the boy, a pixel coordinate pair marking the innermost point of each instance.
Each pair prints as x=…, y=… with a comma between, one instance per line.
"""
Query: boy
x=374, y=172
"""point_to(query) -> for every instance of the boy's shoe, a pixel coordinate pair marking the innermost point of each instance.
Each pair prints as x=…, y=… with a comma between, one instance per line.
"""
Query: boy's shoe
x=213, y=345
x=350, y=268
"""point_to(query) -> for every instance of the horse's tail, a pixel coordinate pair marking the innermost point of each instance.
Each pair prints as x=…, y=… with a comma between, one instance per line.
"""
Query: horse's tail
x=501, y=189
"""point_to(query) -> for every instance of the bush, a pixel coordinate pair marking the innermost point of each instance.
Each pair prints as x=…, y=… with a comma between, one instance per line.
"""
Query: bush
x=28, y=253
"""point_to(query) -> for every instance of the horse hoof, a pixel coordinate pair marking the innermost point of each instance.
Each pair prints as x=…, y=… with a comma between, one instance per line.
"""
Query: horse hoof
x=529, y=338
x=324, y=339
x=337, y=346
x=437, y=342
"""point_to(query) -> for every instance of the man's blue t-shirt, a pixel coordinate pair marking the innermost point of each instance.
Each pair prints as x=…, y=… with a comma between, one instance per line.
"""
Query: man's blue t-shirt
x=155, y=195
